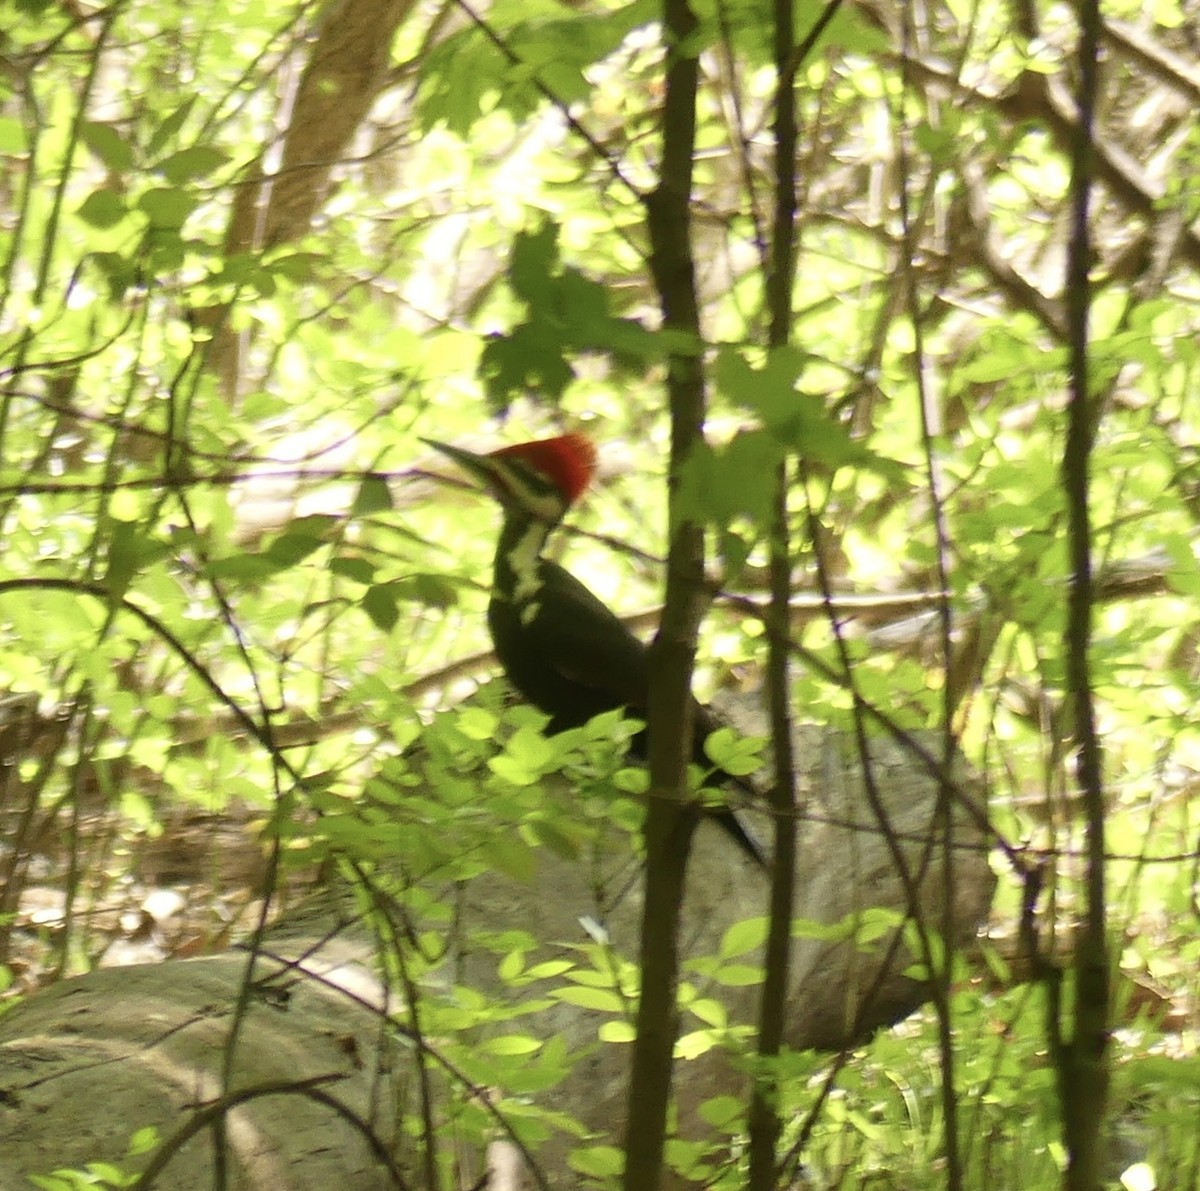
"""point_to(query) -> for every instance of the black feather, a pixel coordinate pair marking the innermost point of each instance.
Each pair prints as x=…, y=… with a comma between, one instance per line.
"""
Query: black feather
x=568, y=654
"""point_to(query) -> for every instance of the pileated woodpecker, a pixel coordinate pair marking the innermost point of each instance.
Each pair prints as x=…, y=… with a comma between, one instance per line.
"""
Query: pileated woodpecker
x=562, y=648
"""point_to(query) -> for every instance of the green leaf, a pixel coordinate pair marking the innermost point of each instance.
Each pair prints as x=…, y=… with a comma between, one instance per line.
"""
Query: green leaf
x=528, y=359
x=130, y=550
x=511, y=966
x=374, y=496
x=599, y=1162
x=242, y=568
x=617, y=1031
x=603, y=1000
x=525, y=762
x=477, y=723
x=938, y=143
x=568, y=314
x=1183, y=576
x=296, y=266
x=108, y=145
x=532, y=748
x=167, y=210
x=726, y=1113
x=737, y=480
x=818, y=438
x=848, y=29
x=988, y=367
x=187, y=165
x=508, y=853
x=709, y=1011
x=552, y=836
x=103, y=208
x=795, y=419
x=301, y=538
x=429, y=589
x=738, y=975
x=582, y=301
x=512, y=1045
x=743, y=937
x=379, y=603
x=170, y=126
x=770, y=391
x=1177, y=1075
x=534, y=259
x=239, y=268
x=548, y=969
x=456, y=76
x=631, y=781
x=106, y=1172
x=119, y=271
x=734, y=550
x=357, y=570
x=262, y=406
x=143, y=1141
x=165, y=253
x=696, y=1043
x=466, y=76
x=734, y=753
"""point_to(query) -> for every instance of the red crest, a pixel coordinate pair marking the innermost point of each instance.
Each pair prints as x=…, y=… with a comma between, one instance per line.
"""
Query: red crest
x=569, y=460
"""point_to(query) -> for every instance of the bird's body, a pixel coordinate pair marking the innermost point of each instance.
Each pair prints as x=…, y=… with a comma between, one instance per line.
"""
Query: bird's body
x=552, y=645
x=561, y=647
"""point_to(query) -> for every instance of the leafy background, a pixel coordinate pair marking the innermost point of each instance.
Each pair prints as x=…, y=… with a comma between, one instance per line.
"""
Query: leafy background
x=251, y=253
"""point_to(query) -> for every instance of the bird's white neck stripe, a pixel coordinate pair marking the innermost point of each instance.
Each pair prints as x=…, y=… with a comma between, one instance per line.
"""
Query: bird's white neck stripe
x=523, y=558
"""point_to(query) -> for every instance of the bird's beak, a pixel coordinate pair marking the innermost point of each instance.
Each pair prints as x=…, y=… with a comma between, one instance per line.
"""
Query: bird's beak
x=509, y=481
x=479, y=466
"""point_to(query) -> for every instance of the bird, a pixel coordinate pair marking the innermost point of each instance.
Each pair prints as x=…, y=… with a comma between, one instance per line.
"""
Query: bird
x=560, y=646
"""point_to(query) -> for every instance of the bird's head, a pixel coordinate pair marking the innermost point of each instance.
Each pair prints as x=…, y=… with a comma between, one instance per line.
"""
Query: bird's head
x=539, y=479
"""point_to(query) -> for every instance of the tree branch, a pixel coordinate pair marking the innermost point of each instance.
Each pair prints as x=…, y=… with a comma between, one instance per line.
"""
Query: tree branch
x=1082, y=1069
x=669, y=821
x=764, y=1122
